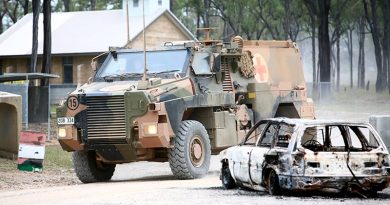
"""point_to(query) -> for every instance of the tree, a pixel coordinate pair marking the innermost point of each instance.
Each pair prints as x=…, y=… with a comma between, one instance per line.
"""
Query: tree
x=46, y=62
x=34, y=52
x=320, y=9
x=312, y=9
x=371, y=13
x=323, y=42
x=386, y=42
x=361, y=27
x=66, y=5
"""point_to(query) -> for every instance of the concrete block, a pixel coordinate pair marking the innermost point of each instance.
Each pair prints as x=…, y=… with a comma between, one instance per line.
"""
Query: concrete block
x=10, y=124
x=382, y=124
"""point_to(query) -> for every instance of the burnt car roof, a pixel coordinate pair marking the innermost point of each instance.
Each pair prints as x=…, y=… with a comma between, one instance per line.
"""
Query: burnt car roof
x=309, y=122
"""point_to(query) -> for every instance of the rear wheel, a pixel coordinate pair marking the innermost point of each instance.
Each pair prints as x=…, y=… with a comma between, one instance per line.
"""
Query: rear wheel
x=273, y=183
x=89, y=170
x=226, y=178
x=190, y=156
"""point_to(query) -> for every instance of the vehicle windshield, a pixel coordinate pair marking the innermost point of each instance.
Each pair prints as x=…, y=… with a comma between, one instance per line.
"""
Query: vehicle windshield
x=133, y=62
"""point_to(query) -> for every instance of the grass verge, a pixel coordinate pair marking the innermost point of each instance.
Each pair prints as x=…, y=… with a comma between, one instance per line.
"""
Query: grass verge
x=56, y=158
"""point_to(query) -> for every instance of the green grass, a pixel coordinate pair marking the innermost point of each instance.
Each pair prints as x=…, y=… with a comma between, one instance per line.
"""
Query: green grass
x=348, y=95
x=7, y=165
x=356, y=101
x=53, y=108
x=56, y=158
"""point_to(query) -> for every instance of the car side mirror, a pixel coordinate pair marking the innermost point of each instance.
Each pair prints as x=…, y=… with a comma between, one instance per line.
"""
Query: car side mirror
x=301, y=150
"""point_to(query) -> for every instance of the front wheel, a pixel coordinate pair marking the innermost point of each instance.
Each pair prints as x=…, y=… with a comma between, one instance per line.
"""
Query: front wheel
x=273, y=183
x=226, y=178
x=190, y=156
x=89, y=170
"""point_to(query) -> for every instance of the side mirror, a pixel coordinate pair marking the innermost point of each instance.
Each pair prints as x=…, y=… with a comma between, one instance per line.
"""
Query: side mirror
x=94, y=65
x=301, y=151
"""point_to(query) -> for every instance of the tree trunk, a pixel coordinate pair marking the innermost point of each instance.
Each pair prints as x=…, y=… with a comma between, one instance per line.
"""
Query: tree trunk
x=350, y=52
x=25, y=7
x=206, y=14
x=324, y=43
x=46, y=63
x=93, y=5
x=386, y=42
x=338, y=62
x=361, y=60
x=374, y=29
x=67, y=5
x=34, y=51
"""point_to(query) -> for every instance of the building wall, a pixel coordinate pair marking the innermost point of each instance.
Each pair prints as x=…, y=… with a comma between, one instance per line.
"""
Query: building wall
x=160, y=31
x=80, y=63
x=150, y=6
x=82, y=69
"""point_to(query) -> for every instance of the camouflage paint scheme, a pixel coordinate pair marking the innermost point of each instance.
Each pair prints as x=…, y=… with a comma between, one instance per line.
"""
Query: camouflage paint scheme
x=112, y=116
x=311, y=166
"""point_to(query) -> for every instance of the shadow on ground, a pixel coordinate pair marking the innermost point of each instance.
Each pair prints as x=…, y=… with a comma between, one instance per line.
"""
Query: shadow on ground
x=385, y=194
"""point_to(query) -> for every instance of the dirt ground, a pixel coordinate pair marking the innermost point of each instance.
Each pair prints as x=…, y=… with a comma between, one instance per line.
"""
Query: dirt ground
x=151, y=182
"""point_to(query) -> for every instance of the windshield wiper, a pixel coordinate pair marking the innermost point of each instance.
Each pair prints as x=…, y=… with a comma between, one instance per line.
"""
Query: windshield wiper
x=121, y=76
x=164, y=72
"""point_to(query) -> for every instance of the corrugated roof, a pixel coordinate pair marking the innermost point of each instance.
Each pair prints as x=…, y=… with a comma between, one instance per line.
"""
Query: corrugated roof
x=79, y=32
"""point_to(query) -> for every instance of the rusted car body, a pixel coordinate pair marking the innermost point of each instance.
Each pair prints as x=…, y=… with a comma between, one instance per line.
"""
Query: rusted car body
x=296, y=154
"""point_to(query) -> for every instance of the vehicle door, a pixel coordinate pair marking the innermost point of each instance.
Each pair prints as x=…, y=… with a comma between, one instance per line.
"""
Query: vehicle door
x=241, y=153
x=263, y=146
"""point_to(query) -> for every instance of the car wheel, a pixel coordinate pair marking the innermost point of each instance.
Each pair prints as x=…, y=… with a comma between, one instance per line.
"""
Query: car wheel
x=88, y=170
x=226, y=178
x=190, y=156
x=273, y=183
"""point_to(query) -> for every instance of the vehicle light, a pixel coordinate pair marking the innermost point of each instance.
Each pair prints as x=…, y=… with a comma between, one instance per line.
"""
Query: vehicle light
x=61, y=132
x=150, y=129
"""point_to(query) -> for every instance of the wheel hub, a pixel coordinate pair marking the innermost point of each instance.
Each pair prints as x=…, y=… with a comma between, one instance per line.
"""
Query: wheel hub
x=196, y=151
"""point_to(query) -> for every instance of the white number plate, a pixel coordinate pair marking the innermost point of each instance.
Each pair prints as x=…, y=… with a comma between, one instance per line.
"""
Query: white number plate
x=65, y=120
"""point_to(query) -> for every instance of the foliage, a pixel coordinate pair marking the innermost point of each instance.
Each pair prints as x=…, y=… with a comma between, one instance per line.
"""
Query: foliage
x=263, y=19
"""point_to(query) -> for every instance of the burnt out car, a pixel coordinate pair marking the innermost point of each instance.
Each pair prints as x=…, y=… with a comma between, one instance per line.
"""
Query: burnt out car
x=282, y=154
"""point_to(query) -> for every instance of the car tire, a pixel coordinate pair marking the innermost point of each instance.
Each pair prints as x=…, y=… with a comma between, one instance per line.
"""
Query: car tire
x=190, y=156
x=273, y=183
x=88, y=170
x=226, y=178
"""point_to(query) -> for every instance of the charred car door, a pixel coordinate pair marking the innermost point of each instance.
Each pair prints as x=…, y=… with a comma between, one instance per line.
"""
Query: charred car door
x=257, y=155
x=241, y=153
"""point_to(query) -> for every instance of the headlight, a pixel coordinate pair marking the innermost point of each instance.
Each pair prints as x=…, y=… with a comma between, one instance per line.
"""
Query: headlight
x=61, y=132
x=150, y=129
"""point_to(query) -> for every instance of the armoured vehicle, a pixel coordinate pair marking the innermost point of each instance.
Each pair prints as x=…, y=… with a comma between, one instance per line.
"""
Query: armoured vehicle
x=193, y=100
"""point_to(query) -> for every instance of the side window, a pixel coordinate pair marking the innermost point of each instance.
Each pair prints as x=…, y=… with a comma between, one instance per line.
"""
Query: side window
x=67, y=63
x=268, y=136
x=365, y=136
x=284, y=135
x=314, y=138
x=253, y=136
x=336, y=139
x=355, y=139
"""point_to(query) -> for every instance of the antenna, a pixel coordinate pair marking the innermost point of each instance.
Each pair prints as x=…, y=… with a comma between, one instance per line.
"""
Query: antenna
x=144, y=77
x=128, y=25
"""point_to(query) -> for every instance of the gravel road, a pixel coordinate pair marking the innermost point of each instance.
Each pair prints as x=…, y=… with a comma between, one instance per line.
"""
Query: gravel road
x=153, y=183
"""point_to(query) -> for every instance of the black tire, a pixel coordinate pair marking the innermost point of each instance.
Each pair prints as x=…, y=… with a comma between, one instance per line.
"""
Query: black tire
x=273, y=183
x=226, y=178
x=185, y=158
x=87, y=169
